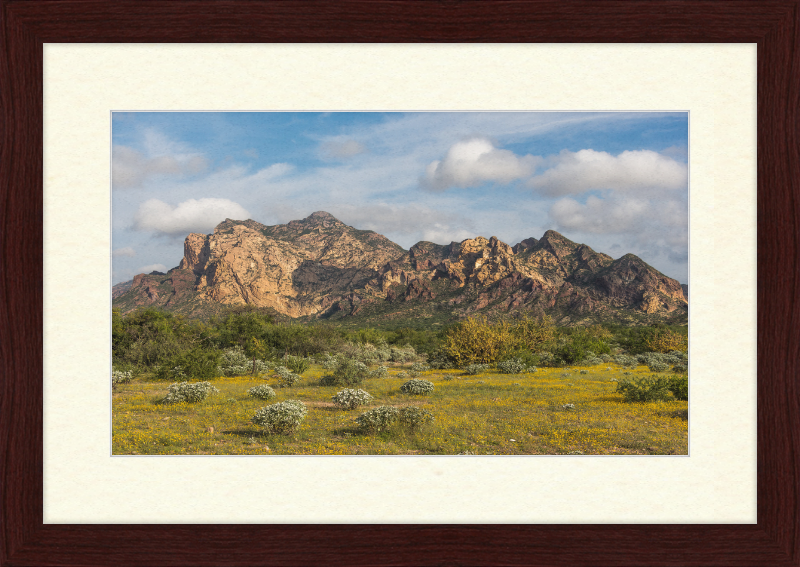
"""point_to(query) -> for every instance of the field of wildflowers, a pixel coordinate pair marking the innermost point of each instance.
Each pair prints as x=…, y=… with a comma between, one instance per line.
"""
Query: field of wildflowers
x=544, y=411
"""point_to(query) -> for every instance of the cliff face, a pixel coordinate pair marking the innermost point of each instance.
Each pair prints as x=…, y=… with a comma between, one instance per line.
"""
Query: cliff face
x=320, y=267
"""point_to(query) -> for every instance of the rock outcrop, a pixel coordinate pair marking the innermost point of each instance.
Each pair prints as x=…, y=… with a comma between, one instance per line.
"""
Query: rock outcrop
x=320, y=267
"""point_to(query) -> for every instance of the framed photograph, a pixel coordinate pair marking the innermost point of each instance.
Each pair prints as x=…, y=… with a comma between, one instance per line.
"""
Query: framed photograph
x=390, y=299
x=305, y=513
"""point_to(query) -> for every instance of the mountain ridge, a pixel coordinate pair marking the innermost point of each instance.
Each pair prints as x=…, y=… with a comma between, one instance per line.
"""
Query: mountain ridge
x=320, y=268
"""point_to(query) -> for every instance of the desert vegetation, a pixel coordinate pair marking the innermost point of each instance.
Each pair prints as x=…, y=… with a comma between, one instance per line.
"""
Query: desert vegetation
x=243, y=383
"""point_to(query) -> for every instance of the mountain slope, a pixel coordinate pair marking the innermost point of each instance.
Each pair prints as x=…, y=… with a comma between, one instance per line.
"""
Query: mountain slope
x=319, y=267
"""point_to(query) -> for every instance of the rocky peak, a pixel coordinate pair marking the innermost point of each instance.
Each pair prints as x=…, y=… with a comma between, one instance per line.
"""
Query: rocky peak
x=526, y=244
x=320, y=216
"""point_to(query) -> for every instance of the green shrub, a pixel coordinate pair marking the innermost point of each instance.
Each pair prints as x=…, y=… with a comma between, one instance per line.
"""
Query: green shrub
x=286, y=378
x=190, y=392
x=643, y=389
x=547, y=359
x=584, y=372
x=351, y=399
x=679, y=386
x=296, y=364
x=120, y=377
x=379, y=372
x=439, y=359
x=197, y=364
x=657, y=366
x=234, y=362
x=378, y=419
x=330, y=362
x=624, y=360
x=262, y=392
x=348, y=372
x=474, y=369
x=420, y=367
x=417, y=387
x=404, y=354
x=511, y=366
x=414, y=417
x=681, y=368
x=283, y=417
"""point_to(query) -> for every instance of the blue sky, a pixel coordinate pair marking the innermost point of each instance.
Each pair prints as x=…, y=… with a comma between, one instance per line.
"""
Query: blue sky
x=615, y=181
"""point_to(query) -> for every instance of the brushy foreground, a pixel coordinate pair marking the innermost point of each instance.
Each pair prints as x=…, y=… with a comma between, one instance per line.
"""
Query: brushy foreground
x=553, y=411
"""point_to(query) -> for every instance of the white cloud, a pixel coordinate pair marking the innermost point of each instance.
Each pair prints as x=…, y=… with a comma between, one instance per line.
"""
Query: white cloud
x=131, y=168
x=342, y=149
x=130, y=252
x=602, y=216
x=631, y=171
x=406, y=224
x=650, y=228
x=152, y=268
x=475, y=161
x=194, y=215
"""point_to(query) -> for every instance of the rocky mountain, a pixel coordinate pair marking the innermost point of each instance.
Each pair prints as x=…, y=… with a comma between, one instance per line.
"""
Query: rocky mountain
x=319, y=267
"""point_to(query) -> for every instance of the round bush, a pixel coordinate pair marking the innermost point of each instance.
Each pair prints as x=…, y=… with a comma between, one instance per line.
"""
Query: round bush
x=378, y=419
x=287, y=378
x=119, y=377
x=262, y=392
x=351, y=399
x=348, y=372
x=379, y=372
x=657, y=366
x=473, y=369
x=420, y=367
x=189, y=392
x=283, y=417
x=414, y=417
x=511, y=366
x=417, y=387
x=234, y=362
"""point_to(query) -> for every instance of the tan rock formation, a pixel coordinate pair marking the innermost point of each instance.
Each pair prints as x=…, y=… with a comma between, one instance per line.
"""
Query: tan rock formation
x=319, y=266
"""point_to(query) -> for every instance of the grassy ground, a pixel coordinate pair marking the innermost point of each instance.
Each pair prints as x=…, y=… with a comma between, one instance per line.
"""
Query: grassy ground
x=487, y=414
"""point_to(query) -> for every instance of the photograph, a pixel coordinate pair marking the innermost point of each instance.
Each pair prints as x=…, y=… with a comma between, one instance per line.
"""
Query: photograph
x=400, y=283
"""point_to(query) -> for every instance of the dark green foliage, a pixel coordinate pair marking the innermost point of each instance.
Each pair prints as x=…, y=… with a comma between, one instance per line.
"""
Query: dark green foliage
x=577, y=345
x=148, y=337
x=644, y=389
x=348, y=372
x=441, y=360
x=679, y=386
x=296, y=364
x=196, y=364
x=634, y=339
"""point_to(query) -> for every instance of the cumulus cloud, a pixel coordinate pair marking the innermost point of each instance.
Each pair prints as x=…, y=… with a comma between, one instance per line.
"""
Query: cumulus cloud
x=129, y=252
x=573, y=173
x=194, y=215
x=131, y=168
x=475, y=161
x=342, y=149
x=152, y=268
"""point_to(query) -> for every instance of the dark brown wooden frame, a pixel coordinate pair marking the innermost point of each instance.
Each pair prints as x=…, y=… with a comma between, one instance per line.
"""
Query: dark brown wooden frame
x=773, y=24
